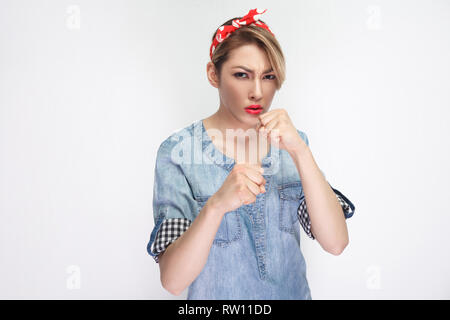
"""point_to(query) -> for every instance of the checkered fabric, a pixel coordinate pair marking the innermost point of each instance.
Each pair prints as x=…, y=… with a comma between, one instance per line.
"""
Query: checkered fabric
x=169, y=231
x=305, y=222
x=173, y=228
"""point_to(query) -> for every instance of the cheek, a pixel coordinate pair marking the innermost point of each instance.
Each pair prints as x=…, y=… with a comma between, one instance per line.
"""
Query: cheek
x=234, y=91
x=269, y=91
x=268, y=94
x=270, y=88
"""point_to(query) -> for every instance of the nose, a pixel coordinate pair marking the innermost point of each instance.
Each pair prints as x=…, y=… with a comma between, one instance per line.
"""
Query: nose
x=256, y=90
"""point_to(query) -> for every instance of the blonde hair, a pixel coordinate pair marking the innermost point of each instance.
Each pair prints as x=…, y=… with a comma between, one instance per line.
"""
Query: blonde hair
x=251, y=34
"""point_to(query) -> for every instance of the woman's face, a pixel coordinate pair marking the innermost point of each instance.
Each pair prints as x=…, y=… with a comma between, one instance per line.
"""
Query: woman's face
x=246, y=79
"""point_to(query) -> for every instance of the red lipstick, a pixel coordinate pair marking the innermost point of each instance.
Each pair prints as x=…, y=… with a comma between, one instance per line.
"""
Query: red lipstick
x=254, y=109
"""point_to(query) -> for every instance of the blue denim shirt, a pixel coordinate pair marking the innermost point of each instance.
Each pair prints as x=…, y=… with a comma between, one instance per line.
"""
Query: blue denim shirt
x=256, y=251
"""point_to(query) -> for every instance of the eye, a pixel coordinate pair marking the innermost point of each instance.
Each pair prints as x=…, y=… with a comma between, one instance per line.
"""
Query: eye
x=238, y=73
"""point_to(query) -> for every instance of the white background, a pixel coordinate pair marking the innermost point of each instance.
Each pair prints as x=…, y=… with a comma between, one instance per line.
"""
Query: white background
x=89, y=90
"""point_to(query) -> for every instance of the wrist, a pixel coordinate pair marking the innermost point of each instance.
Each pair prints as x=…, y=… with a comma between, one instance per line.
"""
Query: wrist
x=299, y=149
x=213, y=205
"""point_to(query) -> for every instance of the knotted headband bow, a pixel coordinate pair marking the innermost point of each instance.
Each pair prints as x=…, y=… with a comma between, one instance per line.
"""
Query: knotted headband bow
x=252, y=17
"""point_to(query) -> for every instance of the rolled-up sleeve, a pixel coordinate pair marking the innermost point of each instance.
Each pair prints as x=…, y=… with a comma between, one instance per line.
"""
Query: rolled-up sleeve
x=347, y=206
x=173, y=202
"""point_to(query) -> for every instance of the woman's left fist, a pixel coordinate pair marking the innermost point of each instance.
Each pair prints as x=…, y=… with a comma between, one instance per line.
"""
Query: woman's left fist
x=278, y=127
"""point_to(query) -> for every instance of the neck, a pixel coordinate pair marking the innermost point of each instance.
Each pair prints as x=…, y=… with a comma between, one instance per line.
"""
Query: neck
x=223, y=120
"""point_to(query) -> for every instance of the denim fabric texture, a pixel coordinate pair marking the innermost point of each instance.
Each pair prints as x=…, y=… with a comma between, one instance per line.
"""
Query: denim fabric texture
x=256, y=251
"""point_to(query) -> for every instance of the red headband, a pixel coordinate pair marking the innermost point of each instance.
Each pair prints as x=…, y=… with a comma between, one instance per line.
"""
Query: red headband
x=224, y=32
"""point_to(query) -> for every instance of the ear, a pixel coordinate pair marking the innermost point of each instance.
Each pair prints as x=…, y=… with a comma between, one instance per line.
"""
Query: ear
x=212, y=75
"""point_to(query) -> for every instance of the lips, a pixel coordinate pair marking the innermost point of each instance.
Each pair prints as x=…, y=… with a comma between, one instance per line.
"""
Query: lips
x=253, y=109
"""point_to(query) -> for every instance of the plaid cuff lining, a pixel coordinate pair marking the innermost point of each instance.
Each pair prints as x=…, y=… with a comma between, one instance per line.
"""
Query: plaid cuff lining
x=305, y=221
x=169, y=231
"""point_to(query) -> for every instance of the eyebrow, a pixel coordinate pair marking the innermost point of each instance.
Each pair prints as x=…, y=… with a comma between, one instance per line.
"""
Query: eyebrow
x=251, y=71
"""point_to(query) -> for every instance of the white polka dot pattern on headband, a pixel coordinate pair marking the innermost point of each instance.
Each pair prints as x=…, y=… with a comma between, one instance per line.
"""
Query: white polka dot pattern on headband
x=223, y=32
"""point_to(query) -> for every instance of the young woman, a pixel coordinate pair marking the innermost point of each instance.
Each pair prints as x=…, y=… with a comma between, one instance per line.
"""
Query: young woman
x=228, y=214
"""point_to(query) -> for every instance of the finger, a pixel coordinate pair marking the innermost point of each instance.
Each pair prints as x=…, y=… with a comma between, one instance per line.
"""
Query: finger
x=267, y=114
x=256, y=170
x=265, y=130
x=254, y=166
x=253, y=187
x=258, y=125
x=266, y=118
x=250, y=171
x=271, y=125
x=268, y=131
x=255, y=176
x=262, y=188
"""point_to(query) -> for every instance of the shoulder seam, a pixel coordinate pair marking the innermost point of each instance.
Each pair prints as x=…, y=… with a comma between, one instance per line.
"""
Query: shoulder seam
x=175, y=133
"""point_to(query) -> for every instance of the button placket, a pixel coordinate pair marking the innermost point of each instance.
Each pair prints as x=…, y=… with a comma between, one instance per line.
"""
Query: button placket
x=259, y=231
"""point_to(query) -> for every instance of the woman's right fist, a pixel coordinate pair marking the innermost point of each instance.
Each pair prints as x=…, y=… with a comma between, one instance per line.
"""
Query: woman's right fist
x=241, y=187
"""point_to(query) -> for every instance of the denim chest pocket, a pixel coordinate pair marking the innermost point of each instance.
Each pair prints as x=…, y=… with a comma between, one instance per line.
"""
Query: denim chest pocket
x=291, y=195
x=230, y=227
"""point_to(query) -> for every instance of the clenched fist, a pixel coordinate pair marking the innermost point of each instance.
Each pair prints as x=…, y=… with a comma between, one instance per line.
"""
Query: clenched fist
x=241, y=187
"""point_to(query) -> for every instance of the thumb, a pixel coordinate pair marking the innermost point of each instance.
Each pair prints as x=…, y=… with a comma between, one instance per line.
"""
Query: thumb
x=258, y=125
